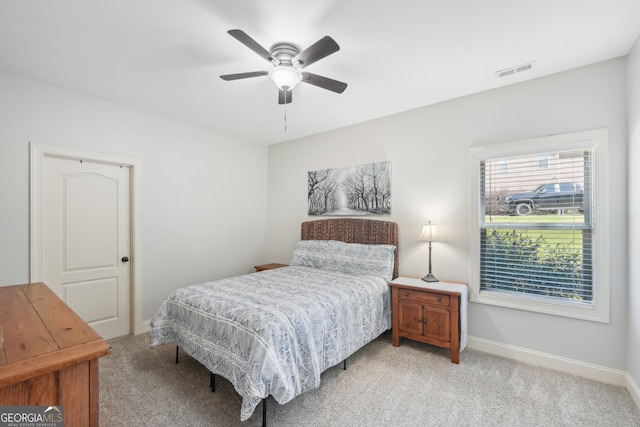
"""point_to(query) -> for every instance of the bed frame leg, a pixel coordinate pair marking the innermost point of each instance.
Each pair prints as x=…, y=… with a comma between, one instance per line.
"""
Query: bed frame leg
x=344, y=365
x=177, y=348
x=212, y=382
x=264, y=412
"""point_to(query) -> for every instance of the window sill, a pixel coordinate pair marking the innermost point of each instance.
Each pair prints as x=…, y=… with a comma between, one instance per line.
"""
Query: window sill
x=573, y=309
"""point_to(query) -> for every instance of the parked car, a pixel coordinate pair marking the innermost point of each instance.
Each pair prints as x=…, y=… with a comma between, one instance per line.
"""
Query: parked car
x=559, y=196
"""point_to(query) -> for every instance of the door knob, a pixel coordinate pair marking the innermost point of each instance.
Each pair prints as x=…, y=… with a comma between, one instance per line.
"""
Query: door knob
x=125, y=259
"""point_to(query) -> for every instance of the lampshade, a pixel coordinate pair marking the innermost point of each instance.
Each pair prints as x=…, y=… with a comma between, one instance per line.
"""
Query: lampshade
x=285, y=77
x=430, y=233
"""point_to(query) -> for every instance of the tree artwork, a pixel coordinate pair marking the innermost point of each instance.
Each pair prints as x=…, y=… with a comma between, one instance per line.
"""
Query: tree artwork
x=357, y=190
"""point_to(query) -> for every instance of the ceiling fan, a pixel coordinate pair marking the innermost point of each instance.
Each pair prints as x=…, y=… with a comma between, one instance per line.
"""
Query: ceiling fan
x=288, y=61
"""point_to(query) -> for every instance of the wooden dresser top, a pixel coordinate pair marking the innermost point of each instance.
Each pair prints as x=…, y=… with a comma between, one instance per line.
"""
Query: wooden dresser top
x=39, y=333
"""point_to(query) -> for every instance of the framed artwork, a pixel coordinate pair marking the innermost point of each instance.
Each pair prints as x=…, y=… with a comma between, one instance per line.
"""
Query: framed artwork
x=356, y=190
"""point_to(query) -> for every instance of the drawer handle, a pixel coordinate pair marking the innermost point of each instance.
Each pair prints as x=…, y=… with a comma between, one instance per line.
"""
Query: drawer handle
x=439, y=299
x=406, y=294
x=421, y=320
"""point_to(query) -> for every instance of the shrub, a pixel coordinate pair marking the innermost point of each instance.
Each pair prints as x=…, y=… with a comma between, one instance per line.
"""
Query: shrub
x=517, y=262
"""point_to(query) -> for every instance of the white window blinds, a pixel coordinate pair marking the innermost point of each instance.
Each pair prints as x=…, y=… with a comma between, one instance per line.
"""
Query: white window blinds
x=536, y=226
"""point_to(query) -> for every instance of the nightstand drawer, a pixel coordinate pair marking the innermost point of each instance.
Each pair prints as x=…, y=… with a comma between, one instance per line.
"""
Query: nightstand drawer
x=426, y=297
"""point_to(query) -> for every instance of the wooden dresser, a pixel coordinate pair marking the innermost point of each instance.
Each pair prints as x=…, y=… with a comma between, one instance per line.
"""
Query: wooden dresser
x=48, y=354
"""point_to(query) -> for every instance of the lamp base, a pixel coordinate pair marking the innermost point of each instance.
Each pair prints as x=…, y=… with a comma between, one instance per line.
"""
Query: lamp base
x=430, y=278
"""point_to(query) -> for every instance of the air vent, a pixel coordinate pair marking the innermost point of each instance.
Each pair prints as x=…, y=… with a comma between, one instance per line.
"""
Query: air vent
x=515, y=70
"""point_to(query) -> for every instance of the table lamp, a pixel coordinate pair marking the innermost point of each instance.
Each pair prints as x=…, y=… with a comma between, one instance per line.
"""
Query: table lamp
x=430, y=233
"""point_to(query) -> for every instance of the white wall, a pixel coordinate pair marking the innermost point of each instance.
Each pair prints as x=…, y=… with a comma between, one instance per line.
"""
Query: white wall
x=204, y=194
x=428, y=149
x=633, y=76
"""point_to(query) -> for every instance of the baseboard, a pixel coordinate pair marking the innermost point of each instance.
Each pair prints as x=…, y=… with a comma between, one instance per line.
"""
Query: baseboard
x=575, y=367
x=633, y=389
x=146, y=326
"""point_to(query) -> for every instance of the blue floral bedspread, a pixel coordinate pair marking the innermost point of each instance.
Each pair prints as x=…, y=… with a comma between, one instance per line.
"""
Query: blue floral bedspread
x=274, y=332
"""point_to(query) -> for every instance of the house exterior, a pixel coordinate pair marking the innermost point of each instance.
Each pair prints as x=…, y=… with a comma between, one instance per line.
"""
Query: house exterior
x=215, y=205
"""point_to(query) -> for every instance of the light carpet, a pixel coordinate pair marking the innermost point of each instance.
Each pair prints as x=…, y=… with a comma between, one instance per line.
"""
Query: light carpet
x=411, y=385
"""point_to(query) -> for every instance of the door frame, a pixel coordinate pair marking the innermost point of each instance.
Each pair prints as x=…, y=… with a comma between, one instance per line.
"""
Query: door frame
x=37, y=153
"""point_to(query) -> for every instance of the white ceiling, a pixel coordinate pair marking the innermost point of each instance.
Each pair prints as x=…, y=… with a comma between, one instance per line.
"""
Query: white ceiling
x=166, y=56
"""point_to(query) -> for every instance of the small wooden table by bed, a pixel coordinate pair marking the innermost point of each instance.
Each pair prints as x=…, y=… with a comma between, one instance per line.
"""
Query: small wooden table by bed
x=431, y=312
x=48, y=354
x=269, y=266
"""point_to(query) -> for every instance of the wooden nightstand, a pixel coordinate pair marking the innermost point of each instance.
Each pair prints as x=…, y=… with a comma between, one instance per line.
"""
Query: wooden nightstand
x=270, y=266
x=430, y=312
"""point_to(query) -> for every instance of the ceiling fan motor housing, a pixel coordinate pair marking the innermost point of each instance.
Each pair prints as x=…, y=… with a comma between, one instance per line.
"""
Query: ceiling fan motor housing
x=284, y=53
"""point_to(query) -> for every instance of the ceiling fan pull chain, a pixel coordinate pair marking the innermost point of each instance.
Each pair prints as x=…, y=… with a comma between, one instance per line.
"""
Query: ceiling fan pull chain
x=285, y=110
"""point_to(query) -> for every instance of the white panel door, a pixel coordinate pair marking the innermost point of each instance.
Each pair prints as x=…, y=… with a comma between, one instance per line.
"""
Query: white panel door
x=86, y=240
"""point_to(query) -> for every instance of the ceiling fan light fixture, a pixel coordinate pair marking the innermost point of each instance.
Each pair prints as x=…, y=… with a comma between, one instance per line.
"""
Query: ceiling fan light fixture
x=285, y=77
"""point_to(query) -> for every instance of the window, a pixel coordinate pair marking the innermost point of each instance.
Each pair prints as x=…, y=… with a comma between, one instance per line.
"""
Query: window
x=538, y=235
x=543, y=161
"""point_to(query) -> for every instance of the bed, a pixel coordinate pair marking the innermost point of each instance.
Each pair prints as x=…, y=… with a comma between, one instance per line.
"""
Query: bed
x=274, y=332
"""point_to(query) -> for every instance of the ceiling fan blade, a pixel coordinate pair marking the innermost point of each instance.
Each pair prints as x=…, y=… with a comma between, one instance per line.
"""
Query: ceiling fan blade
x=285, y=96
x=324, y=82
x=320, y=49
x=244, y=38
x=244, y=75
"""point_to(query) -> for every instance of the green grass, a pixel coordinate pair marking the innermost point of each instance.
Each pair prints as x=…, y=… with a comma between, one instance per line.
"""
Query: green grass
x=569, y=239
x=578, y=218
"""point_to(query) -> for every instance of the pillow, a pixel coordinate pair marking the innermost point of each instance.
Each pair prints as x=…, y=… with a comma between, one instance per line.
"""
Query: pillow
x=376, y=260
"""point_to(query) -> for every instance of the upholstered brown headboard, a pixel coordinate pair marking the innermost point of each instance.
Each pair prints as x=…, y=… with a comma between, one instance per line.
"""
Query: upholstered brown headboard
x=354, y=230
